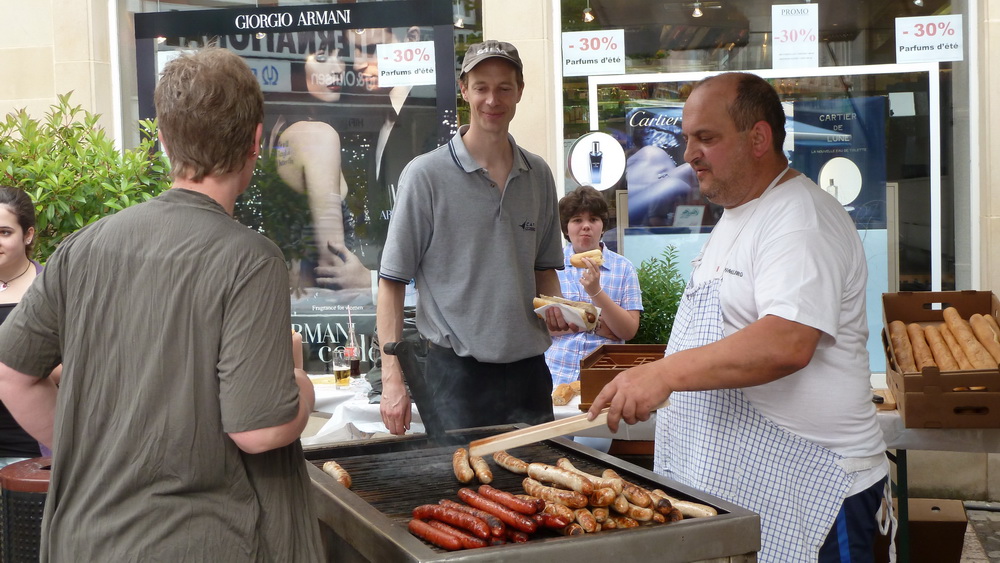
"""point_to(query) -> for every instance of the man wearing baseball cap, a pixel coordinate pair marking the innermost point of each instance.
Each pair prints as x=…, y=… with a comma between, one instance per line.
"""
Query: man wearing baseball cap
x=476, y=225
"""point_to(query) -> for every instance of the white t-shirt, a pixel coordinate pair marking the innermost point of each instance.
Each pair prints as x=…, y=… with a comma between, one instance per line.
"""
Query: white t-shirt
x=795, y=253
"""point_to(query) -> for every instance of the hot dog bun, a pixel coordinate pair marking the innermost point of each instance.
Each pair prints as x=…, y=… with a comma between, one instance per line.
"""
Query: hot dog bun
x=596, y=256
x=587, y=311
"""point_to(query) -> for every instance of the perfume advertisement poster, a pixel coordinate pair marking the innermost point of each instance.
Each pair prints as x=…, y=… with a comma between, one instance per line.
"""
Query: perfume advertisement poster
x=352, y=93
x=839, y=144
x=845, y=154
x=662, y=188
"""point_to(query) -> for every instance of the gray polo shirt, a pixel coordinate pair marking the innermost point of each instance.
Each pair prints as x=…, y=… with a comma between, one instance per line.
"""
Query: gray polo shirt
x=474, y=251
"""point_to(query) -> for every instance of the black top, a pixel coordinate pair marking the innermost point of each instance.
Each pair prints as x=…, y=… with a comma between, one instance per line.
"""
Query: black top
x=14, y=442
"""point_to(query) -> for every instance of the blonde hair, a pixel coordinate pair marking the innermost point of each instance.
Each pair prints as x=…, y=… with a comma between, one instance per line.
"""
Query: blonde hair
x=208, y=106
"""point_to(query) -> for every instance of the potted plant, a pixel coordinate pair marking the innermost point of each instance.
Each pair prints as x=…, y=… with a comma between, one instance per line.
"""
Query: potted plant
x=662, y=286
x=73, y=171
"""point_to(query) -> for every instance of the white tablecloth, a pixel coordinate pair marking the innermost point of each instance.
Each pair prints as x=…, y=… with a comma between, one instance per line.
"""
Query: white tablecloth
x=344, y=408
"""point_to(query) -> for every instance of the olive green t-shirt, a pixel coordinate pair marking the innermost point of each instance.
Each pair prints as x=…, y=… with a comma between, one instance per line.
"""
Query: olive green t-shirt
x=172, y=321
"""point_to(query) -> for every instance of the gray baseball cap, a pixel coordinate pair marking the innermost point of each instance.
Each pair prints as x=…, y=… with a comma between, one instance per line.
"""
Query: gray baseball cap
x=479, y=52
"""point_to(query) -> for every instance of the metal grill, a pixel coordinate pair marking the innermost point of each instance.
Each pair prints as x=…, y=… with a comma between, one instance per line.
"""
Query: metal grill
x=391, y=477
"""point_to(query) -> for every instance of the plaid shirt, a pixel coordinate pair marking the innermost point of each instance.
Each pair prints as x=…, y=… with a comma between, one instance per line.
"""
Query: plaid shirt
x=619, y=281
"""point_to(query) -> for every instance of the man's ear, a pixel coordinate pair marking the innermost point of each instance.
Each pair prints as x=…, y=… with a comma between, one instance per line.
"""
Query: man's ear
x=760, y=138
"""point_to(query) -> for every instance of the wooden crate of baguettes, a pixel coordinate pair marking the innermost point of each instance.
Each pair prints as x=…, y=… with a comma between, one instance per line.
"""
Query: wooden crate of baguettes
x=943, y=352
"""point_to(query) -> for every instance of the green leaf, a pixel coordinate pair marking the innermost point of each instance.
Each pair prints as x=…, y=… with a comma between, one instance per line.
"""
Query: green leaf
x=662, y=287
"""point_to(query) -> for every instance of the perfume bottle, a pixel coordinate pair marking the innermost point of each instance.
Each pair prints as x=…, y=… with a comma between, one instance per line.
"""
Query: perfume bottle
x=595, y=163
x=833, y=189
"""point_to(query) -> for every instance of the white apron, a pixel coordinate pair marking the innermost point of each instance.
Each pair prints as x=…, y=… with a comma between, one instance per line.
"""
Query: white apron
x=717, y=442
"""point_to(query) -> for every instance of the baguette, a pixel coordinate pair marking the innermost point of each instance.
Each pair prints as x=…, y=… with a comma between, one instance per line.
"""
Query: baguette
x=901, y=349
x=562, y=394
x=984, y=333
x=993, y=324
x=922, y=356
x=939, y=349
x=955, y=347
x=962, y=330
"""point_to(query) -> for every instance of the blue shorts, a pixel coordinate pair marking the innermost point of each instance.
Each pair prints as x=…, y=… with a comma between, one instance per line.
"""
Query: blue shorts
x=852, y=538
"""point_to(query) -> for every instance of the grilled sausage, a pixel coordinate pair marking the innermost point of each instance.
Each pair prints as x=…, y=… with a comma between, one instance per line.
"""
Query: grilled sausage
x=460, y=465
x=573, y=529
x=550, y=521
x=562, y=477
x=517, y=536
x=620, y=505
x=511, y=518
x=468, y=540
x=600, y=514
x=560, y=510
x=571, y=499
x=687, y=508
x=661, y=503
x=602, y=497
x=510, y=463
x=429, y=533
x=636, y=495
x=497, y=528
x=333, y=469
x=481, y=469
x=511, y=501
x=454, y=517
x=621, y=521
x=642, y=514
x=586, y=520
x=599, y=482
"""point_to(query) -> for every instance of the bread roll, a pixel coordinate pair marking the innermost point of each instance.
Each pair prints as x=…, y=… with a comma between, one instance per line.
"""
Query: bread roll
x=901, y=349
x=922, y=356
x=955, y=347
x=984, y=333
x=562, y=394
x=960, y=328
x=939, y=349
x=596, y=256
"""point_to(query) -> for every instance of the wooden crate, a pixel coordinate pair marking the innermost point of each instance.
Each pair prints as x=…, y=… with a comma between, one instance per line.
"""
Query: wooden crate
x=603, y=364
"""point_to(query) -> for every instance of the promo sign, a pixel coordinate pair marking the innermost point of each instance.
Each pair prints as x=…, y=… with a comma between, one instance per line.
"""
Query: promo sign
x=796, y=36
x=929, y=39
x=589, y=53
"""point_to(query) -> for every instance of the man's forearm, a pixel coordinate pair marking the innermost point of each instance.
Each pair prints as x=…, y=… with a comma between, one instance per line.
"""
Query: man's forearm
x=389, y=319
x=31, y=401
x=547, y=283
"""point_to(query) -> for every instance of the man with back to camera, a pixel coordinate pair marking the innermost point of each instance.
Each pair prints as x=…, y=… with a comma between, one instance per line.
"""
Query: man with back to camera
x=476, y=224
x=179, y=410
x=766, y=369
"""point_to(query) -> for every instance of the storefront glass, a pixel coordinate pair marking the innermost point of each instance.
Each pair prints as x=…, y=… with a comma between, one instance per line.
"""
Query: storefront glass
x=877, y=96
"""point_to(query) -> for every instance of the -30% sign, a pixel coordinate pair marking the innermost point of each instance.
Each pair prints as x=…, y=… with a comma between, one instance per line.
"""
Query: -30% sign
x=929, y=39
x=795, y=35
x=596, y=43
x=406, y=64
x=588, y=53
x=932, y=29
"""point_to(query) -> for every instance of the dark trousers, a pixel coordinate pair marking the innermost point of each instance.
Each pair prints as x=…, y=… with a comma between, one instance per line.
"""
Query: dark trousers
x=852, y=538
x=467, y=393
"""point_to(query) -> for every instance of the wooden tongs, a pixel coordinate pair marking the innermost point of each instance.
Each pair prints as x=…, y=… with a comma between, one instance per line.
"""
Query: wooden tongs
x=539, y=432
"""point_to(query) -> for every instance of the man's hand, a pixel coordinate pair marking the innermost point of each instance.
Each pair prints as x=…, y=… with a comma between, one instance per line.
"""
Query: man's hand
x=346, y=271
x=395, y=403
x=557, y=324
x=632, y=395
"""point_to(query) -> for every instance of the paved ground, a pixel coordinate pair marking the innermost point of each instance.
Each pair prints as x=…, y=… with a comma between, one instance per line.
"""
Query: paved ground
x=982, y=540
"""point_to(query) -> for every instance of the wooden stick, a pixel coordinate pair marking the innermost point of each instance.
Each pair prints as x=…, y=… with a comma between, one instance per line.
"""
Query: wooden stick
x=539, y=432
